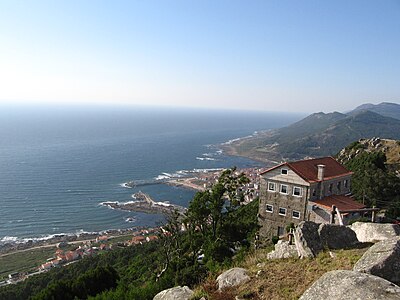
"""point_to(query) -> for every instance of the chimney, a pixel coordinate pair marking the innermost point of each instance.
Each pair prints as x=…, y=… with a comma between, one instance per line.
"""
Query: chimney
x=321, y=172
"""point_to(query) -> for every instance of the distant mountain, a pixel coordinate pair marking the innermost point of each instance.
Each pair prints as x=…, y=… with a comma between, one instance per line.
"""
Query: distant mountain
x=386, y=109
x=319, y=134
x=365, y=124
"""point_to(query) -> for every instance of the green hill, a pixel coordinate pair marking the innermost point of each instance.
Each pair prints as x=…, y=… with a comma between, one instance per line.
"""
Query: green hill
x=385, y=109
x=319, y=134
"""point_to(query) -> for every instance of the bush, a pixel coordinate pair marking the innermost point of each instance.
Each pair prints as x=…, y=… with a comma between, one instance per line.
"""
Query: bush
x=275, y=239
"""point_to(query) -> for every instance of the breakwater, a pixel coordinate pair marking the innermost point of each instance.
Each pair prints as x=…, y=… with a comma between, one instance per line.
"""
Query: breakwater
x=144, y=203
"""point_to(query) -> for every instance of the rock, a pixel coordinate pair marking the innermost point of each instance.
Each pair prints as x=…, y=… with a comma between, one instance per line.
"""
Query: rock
x=283, y=250
x=307, y=239
x=351, y=285
x=382, y=259
x=336, y=236
x=260, y=265
x=374, y=232
x=232, y=277
x=175, y=293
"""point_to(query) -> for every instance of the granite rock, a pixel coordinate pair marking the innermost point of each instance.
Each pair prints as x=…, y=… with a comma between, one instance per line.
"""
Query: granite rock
x=382, y=259
x=175, y=293
x=351, y=285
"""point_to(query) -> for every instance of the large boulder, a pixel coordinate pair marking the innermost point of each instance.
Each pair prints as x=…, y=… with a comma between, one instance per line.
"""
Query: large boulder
x=374, y=232
x=283, y=250
x=307, y=239
x=351, y=285
x=175, y=293
x=232, y=277
x=336, y=236
x=382, y=259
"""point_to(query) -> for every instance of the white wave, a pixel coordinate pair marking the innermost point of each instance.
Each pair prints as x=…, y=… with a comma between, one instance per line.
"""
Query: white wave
x=163, y=204
x=231, y=141
x=237, y=139
x=162, y=177
x=107, y=204
x=208, y=154
x=205, y=158
x=207, y=170
x=125, y=185
x=9, y=239
x=166, y=174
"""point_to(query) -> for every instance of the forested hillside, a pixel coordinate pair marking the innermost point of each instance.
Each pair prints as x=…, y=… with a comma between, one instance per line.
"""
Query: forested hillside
x=376, y=165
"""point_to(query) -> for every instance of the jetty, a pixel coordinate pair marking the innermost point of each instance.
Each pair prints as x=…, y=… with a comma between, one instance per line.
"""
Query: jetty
x=137, y=183
x=144, y=203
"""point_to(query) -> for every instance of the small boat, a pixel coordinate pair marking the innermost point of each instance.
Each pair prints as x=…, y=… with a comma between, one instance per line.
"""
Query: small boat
x=130, y=219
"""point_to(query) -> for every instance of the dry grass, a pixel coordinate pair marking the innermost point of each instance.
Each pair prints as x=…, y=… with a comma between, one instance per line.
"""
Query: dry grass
x=393, y=151
x=283, y=278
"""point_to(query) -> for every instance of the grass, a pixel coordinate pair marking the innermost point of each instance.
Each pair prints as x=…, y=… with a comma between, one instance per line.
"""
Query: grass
x=282, y=278
x=24, y=261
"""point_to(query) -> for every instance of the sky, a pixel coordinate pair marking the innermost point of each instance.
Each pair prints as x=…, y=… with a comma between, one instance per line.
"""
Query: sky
x=294, y=56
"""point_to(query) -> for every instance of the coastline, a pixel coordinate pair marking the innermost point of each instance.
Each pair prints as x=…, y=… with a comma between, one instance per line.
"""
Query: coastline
x=249, y=147
x=9, y=247
x=9, y=244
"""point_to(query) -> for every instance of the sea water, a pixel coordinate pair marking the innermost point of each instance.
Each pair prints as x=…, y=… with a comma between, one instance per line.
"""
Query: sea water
x=57, y=164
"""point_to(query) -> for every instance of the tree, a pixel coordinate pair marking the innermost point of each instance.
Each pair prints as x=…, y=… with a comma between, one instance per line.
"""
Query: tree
x=373, y=183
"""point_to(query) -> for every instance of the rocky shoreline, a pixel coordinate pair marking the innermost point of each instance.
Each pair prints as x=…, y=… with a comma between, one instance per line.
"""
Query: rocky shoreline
x=27, y=243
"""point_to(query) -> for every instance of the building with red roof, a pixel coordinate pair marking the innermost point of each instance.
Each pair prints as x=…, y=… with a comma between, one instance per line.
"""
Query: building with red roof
x=292, y=192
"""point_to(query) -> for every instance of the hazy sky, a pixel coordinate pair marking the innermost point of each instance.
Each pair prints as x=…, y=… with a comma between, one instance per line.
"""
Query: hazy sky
x=263, y=55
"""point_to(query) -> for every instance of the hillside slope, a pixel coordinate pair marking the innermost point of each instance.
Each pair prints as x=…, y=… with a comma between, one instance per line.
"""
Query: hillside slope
x=386, y=109
x=319, y=134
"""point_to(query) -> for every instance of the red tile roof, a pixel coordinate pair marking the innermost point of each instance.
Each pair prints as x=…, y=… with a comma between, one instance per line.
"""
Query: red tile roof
x=308, y=169
x=340, y=201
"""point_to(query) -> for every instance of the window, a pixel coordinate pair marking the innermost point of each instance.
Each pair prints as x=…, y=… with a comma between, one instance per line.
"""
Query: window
x=339, y=185
x=282, y=211
x=269, y=208
x=284, y=171
x=281, y=231
x=296, y=214
x=284, y=189
x=314, y=192
x=297, y=191
x=346, y=183
x=271, y=186
x=330, y=187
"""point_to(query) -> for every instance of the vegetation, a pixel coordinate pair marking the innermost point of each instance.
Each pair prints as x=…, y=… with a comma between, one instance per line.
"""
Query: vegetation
x=373, y=183
x=218, y=232
x=289, y=278
x=24, y=261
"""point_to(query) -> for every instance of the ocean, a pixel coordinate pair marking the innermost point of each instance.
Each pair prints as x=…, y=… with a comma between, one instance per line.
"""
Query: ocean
x=57, y=164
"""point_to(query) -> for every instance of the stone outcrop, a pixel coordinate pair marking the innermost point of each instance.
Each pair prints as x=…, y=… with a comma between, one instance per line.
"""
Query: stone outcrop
x=374, y=232
x=175, y=293
x=351, y=285
x=337, y=237
x=232, y=277
x=283, y=250
x=312, y=238
x=307, y=239
x=383, y=260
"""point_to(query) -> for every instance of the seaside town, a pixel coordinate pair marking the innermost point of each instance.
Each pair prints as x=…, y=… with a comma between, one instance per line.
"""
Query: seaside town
x=67, y=253
x=70, y=249
x=204, y=180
